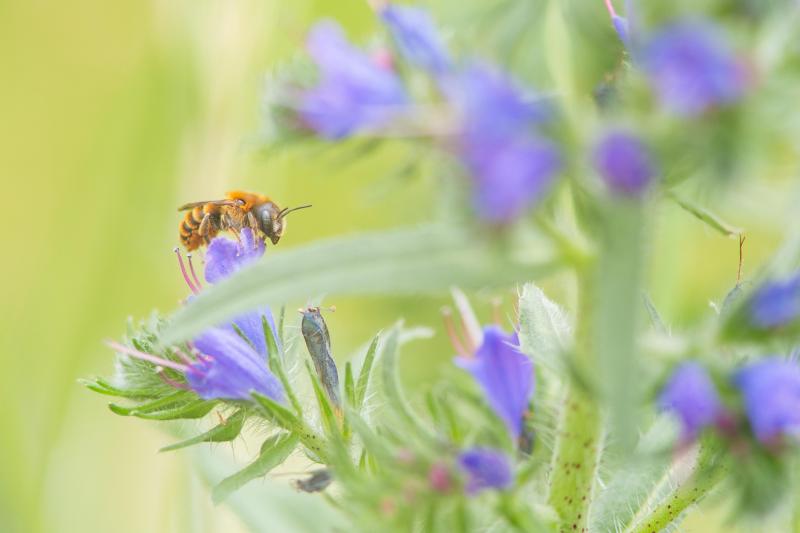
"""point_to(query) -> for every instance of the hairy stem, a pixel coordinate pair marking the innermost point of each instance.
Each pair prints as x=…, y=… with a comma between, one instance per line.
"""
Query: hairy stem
x=577, y=449
x=707, y=473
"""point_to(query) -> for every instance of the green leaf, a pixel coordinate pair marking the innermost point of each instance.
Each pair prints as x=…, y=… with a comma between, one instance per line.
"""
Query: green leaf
x=364, y=373
x=276, y=365
x=705, y=215
x=323, y=401
x=223, y=432
x=655, y=316
x=177, y=397
x=429, y=258
x=274, y=451
x=191, y=410
x=289, y=421
x=349, y=385
x=545, y=331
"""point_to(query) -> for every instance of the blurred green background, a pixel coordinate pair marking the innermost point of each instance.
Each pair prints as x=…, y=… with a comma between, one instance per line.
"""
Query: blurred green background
x=113, y=113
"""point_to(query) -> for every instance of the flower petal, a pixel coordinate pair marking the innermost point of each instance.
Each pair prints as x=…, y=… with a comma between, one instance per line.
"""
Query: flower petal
x=486, y=468
x=229, y=368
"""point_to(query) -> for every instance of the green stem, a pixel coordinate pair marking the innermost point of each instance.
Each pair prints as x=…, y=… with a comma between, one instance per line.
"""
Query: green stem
x=708, y=472
x=577, y=448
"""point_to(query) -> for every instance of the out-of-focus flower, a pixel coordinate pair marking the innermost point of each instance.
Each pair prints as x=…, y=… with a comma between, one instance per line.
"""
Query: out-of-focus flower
x=490, y=105
x=511, y=166
x=691, y=395
x=353, y=94
x=624, y=163
x=439, y=478
x=692, y=69
x=485, y=469
x=511, y=176
x=504, y=374
x=416, y=37
x=771, y=393
x=776, y=303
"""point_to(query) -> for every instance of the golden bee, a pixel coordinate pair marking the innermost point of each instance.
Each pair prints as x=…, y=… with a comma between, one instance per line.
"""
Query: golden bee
x=238, y=210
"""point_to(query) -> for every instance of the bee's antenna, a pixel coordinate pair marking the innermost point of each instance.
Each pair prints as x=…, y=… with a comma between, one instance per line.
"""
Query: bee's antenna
x=285, y=211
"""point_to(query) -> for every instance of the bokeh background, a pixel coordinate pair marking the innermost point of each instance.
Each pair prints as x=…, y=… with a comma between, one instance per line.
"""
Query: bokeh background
x=114, y=113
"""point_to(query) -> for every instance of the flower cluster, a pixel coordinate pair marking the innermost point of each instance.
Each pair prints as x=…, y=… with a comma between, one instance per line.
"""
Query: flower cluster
x=229, y=361
x=769, y=390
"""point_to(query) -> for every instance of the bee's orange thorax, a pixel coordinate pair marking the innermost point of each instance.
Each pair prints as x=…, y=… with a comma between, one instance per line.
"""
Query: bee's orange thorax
x=250, y=199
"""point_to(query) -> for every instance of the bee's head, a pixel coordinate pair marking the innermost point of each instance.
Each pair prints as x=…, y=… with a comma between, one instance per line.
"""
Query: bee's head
x=272, y=219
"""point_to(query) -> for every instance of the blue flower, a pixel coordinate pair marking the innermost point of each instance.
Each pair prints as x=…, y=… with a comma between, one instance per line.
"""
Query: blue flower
x=624, y=163
x=416, y=37
x=620, y=24
x=511, y=166
x=776, y=303
x=504, y=374
x=490, y=105
x=692, y=69
x=511, y=176
x=224, y=256
x=691, y=395
x=227, y=367
x=485, y=468
x=771, y=392
x=353, y=94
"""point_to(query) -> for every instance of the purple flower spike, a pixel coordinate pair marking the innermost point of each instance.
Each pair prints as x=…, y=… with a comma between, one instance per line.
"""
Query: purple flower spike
x=692, y=69
x=776, y=304
x=624, y=163
x=416, y=37
x=485, y=469
x=771, y=392
x=505, y=374
x=691, y=395
x=353, y=93
x=510, y=177
x=229, y=368
x=224, y=256
x=491, y=105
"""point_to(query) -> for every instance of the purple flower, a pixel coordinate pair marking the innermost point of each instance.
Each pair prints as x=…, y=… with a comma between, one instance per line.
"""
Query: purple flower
x=511, y=176
x=691, y=395
x=776, y=303
x=485, y=468
x=227, y=367
x=504, y=373
x=224, y=256
x=622, y=29
x=416, y=37
x=692, y=68
x=624, y=163
x=353, y=94
x=491, y=105
x=510, y=165
x=771, y=392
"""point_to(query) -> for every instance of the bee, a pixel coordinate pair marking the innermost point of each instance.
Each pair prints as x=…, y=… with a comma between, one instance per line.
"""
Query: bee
x=238, y=210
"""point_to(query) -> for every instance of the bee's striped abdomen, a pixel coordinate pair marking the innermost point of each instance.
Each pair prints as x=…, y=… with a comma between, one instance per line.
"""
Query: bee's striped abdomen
x=189, y=227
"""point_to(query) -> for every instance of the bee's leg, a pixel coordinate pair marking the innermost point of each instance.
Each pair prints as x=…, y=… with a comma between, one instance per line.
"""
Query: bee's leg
x=205, y=225
x=251, y=221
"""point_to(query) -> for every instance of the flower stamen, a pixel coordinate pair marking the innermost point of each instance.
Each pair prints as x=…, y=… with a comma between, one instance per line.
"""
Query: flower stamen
x=452, y=334
x=194, y=275
x=169, y=381
x=183, y=271
x=160, y=361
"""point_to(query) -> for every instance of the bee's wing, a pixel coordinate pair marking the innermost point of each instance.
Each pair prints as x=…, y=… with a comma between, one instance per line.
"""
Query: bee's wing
x=192, y=205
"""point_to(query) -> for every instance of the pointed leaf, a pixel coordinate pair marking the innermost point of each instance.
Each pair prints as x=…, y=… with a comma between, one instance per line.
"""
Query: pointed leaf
x=274, y=451
x=223, y=432
x=545, y=332
x=430, y=258
x=364, y=373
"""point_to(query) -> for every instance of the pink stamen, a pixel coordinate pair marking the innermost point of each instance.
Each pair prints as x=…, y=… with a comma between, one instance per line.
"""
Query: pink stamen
x=452, y=334
x=183, y=271
x=191, y=269
x=188, y=360
x=171, y=382
x=146, y=356
x=610, y=8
